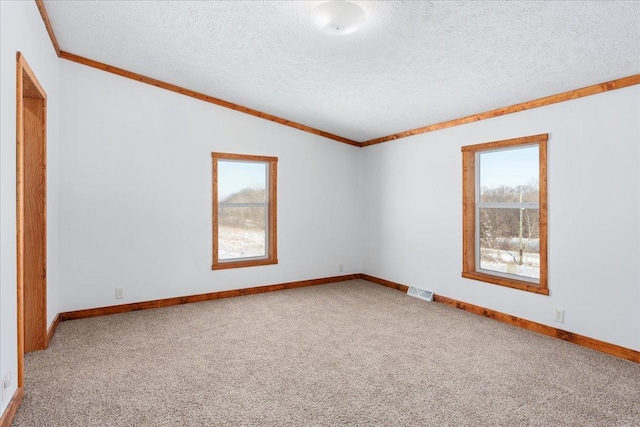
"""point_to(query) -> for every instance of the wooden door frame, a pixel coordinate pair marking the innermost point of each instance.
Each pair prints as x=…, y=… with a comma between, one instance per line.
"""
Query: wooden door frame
x=27, y=86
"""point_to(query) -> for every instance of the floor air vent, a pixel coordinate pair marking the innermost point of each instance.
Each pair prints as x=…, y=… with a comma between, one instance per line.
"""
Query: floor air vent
x=420, y=293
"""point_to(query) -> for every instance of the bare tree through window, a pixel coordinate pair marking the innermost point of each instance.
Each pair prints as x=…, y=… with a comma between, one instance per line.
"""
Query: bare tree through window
x=504, y=210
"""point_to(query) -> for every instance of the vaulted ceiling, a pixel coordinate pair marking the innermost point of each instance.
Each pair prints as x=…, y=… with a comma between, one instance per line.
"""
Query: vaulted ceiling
x=414, y=63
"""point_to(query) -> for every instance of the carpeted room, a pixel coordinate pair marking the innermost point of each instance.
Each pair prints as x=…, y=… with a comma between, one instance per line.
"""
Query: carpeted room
x=368, y=130
x=349, y=353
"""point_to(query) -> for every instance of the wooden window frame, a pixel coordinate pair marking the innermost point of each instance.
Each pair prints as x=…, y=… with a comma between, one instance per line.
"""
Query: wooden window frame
x=469, y=270
x=272, y=235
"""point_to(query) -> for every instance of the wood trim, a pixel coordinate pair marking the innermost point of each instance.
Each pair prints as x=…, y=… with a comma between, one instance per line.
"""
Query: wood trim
x=243, y=157
x=242, y=264
x=41, y=93
x=12, y=408
x=592, y=343
x=469, y=270
x=503, y=143
x=507, y=282
x=145, y=305
x=47, y=24
x=202, y=97
x=543, y=221
x=214, y=210
x=28, y=88
x=540, y=102
x=52, y=329
x=468, y=211
x=273, y=211
x=34, y=227
x=383, y=282
x=272, y=238
x=20, y=69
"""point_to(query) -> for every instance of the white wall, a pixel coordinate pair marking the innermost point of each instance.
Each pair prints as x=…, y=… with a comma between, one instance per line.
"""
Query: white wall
x=413, y=214
x=136, y=187
x=136, y=194
x=21, y=29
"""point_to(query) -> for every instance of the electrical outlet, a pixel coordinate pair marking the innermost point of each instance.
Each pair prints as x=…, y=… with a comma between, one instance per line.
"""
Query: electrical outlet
x=119, y=293
x=6, y=384
x=341, y=268
x=558, y=315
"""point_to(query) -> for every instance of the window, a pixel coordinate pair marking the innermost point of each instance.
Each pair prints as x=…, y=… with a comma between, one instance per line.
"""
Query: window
x=244, y=210
x=505, y=213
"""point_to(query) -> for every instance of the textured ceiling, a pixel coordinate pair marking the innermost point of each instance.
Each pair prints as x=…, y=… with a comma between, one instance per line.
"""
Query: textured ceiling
x=412, y=64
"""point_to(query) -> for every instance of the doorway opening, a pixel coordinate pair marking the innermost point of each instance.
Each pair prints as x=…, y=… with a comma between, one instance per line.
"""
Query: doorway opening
x=31, y=213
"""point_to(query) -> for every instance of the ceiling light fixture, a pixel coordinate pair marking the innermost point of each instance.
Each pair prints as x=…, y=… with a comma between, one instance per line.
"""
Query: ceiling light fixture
x=339, y=17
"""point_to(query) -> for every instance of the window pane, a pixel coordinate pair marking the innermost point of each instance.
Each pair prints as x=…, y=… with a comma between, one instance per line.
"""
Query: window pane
x=510, y=241
x=242, y=182
x=242, y=232
x=508, y=175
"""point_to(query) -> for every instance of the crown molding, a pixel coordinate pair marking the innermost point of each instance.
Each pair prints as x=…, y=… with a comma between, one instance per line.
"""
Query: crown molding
x=47, y=24
x=540, y=102
x=202, y=97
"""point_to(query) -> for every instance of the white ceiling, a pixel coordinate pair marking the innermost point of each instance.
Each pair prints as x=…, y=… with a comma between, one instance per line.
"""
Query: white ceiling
x=414, y=63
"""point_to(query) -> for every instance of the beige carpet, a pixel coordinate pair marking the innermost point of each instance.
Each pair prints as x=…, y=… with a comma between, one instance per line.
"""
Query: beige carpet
x=351, y=353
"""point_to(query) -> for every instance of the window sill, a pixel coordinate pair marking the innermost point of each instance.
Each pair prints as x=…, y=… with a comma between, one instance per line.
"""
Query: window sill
x=241, y=264
x=509, y=283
